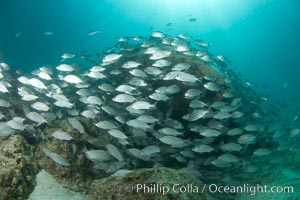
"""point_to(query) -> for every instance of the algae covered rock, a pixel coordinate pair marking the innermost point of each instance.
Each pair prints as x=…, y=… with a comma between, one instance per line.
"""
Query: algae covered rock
x=16, y=167
x=142, y=184
x=65, y=160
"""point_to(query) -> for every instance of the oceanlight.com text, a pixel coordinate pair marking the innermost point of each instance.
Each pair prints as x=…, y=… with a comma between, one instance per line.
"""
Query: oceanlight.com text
x=210, y=188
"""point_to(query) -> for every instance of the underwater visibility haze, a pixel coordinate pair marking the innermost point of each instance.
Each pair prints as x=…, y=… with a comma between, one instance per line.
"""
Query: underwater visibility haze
x=94, y=90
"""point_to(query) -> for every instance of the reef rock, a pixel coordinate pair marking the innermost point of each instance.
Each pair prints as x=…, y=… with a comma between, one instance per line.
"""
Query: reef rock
x=155, y=183
x=64, y=160
x=16, y=168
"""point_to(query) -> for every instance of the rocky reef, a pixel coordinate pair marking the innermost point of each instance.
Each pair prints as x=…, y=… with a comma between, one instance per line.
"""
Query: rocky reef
x=146, y=184
x=17, y=167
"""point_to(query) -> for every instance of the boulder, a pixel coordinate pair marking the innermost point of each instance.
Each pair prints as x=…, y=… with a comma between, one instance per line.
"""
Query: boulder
x=146, y=184
x=17, y=167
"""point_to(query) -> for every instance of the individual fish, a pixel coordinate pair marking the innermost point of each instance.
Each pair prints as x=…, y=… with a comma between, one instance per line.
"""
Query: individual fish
x=116, y=133
x=62, y=135
x=212, y=86
x=196, y=103
x=229, y=158
x=223, y=59
x=173, y=141
x=262, y=152
x=88, y=114
x=160, y=54
x=67, y=56
x=195, y=115
x=294, y=132
x=246, y=139
x=237, y=114
x=97, y=68
x=111, y=58
x=218, y=104
x=16, y=123
x=106, y=87
x=182, y=48
x=210, y=133
x=125, y=88
x=18, y=34
x=231, y=147
x=65, y=68
x=181, y=67
x=192, y=19
x=147, y=119
x=40, y=106
x=192, y=93
x=49, y=33
x=37, y=83
x=56, y=158
x=44, y=75
x=91, y=33
x=137, y=153
x=124, y=98
x=171, y=75
x=201, y=43
x=158, y=34
x=4, y=103
x=63, y=103
x=138, y=73
x=98, y=155
x=153, y=71
x=106, y=125
x=142, y=105
x=23, y=80
x=3, y=88
x=173, y=123
x=150, y=150
x=235, y=131
x=76, y=124
x=121, y=172
x=203, y=148
x=221, y=163
x=210, y=78
x=172, y=89
x=162, y=63
x=6, y=130
x=252, y=127
x=185, y=77
x=188, y=153
x=138, y=124
x=169, y=131
x=137, y=82
x=113, y=151
x=183, y=36
x=214, y=124
x=130, y=65
x=222, y=115
x=94, y=100
x=111, y=110
x=72, y=79
x=36, y=117
x=96, y=75
x=159, y=97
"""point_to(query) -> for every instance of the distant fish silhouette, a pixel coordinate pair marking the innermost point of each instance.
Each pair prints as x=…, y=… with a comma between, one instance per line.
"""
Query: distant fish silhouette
x=90, y=33
x=192, y=19
x=169, y=24
x=49, y=33
x=18, y=34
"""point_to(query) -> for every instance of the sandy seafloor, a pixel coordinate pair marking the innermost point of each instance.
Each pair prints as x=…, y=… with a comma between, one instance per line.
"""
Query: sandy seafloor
x=47, y=188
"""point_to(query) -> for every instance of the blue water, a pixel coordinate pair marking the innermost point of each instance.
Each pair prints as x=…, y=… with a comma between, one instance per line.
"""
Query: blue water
x=260, y=37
